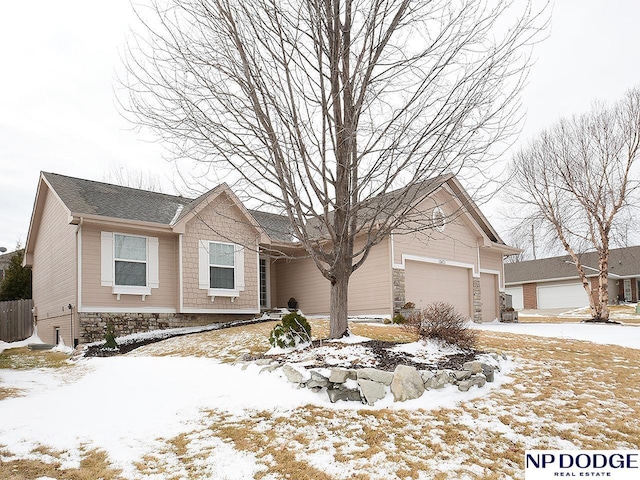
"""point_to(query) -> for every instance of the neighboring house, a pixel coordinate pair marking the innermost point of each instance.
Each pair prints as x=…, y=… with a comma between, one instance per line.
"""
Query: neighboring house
x=5, y=260
x=554, y=282
x=146, y=260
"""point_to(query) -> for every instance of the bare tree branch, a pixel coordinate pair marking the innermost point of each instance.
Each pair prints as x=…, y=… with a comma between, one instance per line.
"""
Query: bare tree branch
x=577, y=179
x=316, y=107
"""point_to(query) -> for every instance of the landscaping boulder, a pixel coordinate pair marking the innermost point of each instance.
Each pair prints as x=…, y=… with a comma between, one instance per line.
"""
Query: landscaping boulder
x=474, y=367
x=478, y=380
x=375, y=375
x=371, y=391
x=487, y=371
x=341, y=375
x=341, y=392
x=407, y=383
x=317, y=381
x=461, y=374
x=438, y=380
x=426, y=376
x=295, y=374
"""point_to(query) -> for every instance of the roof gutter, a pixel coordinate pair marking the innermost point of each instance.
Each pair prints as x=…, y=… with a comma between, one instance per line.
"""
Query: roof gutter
x=76, y=218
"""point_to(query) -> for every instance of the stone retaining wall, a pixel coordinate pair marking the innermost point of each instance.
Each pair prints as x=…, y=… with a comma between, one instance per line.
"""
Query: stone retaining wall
x=92, y=326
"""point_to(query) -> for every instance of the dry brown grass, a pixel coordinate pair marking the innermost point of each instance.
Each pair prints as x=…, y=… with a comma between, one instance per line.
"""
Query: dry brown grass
x=24, y=359
x=93, y=465
x=6, y=392
x=562, y=394
x=622, y=313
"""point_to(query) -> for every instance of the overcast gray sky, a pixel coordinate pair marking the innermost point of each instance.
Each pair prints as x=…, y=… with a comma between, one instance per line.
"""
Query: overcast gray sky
x=59, y=62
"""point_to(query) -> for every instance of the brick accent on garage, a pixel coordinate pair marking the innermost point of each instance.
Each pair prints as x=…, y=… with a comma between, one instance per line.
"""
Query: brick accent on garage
x=530, y=295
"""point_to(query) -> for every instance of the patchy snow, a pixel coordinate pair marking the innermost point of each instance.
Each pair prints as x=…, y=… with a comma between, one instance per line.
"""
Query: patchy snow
x=351, y=338
x=130, y=405
x=622, y=335
x=22, y=343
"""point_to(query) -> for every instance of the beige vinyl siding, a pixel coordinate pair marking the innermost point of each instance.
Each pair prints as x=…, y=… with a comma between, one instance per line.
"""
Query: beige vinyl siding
x=490, y=260
x=489, y=296
x=302, y=280
x=456, y=242
x=54, y=269
x=95, y=295
x=369, y=286
x=221, y=221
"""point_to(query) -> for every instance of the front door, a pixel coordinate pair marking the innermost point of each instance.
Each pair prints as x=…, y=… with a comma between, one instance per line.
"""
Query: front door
x=628, y=294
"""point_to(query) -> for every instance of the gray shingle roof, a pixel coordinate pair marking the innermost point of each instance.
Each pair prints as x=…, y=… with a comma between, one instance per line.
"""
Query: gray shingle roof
x=97, y=198
x=276, y=226
x=623, y=262
x=89, y=197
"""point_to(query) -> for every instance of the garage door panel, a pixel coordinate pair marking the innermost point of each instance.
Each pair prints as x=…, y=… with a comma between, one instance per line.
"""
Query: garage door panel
x=489, y=295
x=517, y=297
x=426, y=283
x=570, y=295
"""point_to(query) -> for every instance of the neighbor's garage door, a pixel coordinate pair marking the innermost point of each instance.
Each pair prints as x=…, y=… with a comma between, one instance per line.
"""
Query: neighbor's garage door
x=517, y=299
x=489, y=295
x=431, y=282
x=562, y=296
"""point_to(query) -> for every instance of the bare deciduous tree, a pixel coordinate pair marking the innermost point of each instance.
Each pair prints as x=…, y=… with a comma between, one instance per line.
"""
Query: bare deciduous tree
x=318, y=106
x=577, y=178
x=128, y=177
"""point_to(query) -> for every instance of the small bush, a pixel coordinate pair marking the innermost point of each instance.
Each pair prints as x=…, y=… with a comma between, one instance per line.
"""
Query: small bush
x=440, y=321
x=293, y=331
x=399, y=319
x=110, y=338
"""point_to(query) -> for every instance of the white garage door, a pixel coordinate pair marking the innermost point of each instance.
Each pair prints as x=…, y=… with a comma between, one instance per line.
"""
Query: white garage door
x=562, y=296
x=431, y=282
x=517, y=299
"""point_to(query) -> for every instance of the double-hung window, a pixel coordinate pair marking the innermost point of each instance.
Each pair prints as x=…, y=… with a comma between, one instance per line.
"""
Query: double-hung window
x=129, y=263
x=221, y=268
x=130, y=256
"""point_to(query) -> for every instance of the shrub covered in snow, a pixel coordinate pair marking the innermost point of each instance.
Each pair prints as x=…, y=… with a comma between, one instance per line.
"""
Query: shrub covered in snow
x=293, y=331
x=440, y=321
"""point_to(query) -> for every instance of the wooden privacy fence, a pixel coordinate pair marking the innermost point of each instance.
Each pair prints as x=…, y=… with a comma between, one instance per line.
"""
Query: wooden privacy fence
x=16, y=320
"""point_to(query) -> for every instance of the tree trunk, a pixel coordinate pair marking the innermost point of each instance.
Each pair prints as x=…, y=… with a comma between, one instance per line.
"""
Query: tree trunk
x=603, y=284
x=339, y=306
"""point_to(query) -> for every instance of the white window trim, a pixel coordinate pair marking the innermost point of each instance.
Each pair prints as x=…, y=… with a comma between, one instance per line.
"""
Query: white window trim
x=238, y=271
x=108, y=266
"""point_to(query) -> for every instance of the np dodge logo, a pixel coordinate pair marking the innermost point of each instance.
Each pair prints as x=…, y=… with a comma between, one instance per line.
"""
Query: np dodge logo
x=611, y=464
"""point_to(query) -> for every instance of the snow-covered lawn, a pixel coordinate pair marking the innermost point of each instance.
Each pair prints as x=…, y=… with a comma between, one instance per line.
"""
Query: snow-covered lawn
x=623, y=335
x=180, y=409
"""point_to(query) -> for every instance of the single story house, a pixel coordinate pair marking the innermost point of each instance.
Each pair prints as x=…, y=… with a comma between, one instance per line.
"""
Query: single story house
x=554, y=282
x=145, y=260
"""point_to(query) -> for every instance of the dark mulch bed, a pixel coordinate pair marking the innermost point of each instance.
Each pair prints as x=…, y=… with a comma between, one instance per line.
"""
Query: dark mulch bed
x=387, y=359
x=99, y=350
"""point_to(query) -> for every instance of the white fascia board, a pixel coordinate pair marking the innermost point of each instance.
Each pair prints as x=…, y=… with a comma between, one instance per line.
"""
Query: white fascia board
x=548, y=280
x=439, y=261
